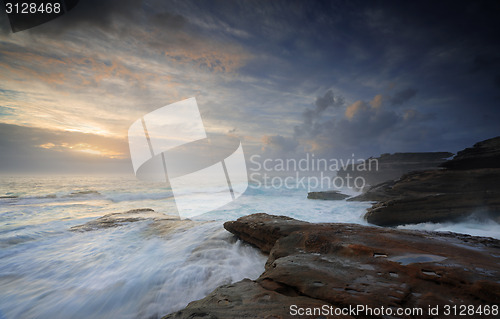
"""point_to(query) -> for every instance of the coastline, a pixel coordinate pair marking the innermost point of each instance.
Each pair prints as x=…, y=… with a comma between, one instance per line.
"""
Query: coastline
x=322, y=259
x=345, y=265
x=341, y=266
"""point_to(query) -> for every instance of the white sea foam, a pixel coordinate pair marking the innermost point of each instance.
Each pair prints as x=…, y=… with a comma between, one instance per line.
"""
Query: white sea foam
x=47, y=271
x=120, y=272
x=484, y=228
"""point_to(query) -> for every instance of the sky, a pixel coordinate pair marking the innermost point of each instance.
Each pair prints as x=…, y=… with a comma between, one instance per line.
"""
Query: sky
x=333, y=78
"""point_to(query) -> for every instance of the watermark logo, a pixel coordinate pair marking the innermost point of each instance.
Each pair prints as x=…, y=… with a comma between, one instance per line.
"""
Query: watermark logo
x=205, y=172
x=311, y=173
x=24, y=15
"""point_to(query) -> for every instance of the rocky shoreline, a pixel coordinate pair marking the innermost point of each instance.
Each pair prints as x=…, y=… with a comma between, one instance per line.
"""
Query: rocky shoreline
x=467, y=186
x=388, y=167
x=345, y=265
x=341, y=266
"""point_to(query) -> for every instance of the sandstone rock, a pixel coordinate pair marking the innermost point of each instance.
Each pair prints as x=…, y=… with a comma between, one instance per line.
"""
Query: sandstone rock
x=246, y=299
x=134, y=215
x=485, y=154
x=470, y=186
x=435, y=196
x=327, y=195
x=262, y=230
x=348, y=265
x=436, y=208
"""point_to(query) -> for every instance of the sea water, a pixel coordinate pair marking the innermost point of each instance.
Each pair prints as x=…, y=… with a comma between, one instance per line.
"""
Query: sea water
x=47, y=271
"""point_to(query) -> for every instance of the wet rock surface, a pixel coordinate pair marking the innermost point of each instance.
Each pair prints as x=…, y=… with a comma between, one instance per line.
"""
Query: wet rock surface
x=344, y=265
x=468, y=187
x=162, y=222
x=436, y=196
x=328, y=195
x=246, y=299
x=485, y=154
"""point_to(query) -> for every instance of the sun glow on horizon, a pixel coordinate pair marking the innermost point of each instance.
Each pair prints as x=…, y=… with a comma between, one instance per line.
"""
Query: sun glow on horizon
x=84, y=148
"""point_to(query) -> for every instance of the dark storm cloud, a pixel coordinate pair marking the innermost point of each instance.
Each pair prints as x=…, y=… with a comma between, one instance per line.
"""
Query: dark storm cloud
x=92, y=13
x=169, y=20
x=374, y=54
x=497, y=81
x=427, y=45
x=485, y=62
x=104, y=15
x=310, y=117
x=364, y=128
x=311, y=124
x=328, y=100
x=371, y=131
x=403, y=96
x=487, y=65
x=4, y=24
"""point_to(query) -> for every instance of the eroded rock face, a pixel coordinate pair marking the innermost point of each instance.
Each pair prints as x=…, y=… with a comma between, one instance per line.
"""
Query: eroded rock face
x=485, y=154
x=435, y=196
x=347, y=265
x=469, y=186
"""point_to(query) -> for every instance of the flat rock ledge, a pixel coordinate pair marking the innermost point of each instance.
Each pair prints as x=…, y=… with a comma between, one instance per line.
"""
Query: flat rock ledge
x=342, y=265
x=162, y=224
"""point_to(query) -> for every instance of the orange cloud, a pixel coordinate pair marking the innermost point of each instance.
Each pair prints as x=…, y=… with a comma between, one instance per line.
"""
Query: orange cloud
x=101, y=85
x=354, y=108
x=376, y=103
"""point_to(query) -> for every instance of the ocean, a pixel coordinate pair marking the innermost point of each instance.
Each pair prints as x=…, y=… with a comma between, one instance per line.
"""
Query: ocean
x=47, y=271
